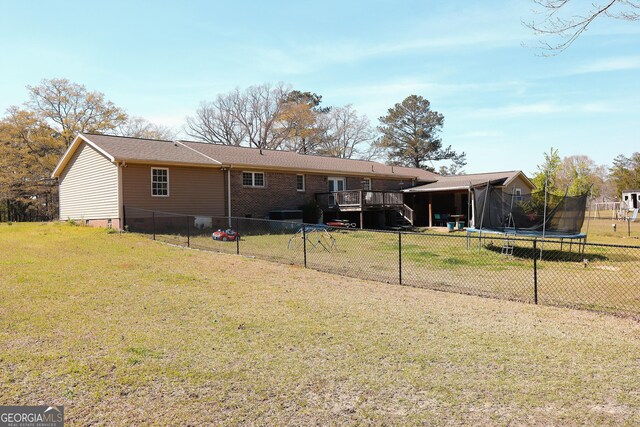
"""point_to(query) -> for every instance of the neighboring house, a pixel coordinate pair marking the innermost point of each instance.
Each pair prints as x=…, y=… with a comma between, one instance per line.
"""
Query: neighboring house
x=631, y=198
x=451, y=195
x=99, y=175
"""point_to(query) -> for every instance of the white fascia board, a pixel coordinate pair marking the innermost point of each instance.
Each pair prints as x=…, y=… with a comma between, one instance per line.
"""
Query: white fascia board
x=79, y=139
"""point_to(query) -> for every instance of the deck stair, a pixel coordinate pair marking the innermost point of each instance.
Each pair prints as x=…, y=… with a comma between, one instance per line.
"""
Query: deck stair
x=402, y=219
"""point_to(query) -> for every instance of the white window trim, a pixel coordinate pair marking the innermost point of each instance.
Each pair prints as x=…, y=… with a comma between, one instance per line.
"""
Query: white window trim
x=304, y=183
x=518, y=193
x=339, y=178
x=370, y=184
x=253, y=180
x=168, y=186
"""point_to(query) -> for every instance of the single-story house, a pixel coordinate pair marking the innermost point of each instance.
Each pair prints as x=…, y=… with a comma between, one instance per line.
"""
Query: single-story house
x=99, y=175
x=451, y=195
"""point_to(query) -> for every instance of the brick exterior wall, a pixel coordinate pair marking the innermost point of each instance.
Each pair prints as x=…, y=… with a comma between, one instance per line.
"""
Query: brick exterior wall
x=279, y=192
x=391, y=184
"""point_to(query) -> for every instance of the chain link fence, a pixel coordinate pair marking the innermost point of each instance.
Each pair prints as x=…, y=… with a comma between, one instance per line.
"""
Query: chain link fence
x=600, y=277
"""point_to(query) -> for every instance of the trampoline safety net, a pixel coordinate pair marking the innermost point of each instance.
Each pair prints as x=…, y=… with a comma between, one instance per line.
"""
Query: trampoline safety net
x=505, y=211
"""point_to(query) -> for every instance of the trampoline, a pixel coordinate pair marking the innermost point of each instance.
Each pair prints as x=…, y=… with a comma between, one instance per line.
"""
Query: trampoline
x=561, y=237
x=539, y=215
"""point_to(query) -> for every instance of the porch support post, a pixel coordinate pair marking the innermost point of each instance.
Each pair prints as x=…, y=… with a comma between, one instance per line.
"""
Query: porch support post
x=430, y=212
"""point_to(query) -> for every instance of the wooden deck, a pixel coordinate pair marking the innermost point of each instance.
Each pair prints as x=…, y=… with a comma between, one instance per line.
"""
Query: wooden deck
x=365, y=200
x=359, y=200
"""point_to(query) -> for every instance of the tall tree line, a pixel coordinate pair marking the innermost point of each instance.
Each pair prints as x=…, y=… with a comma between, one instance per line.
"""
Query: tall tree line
x=279, y=118
x=34, y=136
x=579, y=174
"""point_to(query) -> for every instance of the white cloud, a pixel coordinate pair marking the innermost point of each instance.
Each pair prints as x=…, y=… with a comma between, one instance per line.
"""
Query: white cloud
x=605, y=65
x=297, y=59
x=542, y=108
x=400, y=88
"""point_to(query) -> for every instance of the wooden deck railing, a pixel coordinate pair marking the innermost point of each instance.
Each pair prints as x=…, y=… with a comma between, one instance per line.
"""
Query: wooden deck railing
x=408, y=213
x=360, y=199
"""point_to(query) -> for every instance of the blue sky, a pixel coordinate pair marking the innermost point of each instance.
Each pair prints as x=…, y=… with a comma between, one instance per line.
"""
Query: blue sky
x=504, y=105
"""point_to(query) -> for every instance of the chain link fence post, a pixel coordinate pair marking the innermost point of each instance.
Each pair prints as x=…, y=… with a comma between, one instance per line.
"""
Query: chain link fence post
x=237, y=235
x=400, y=257
x=153, y=222
x=188, y=232
x=535, y=272
x=304, y=244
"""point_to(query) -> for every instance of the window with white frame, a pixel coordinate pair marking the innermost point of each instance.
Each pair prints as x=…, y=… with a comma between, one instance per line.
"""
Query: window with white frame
x=366, y=184
x=253, y=179
x=300, y=182
x=337, y=183
x=160, y=182
x=518, y=193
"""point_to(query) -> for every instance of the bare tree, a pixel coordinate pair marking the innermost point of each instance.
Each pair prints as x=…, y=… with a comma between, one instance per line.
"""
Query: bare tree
x=138, y=127
x=215, y=122
x=347, y=133
x=70, y=108
x=560, y=20
x=248, y=117
x=374, y=151
x=257, y=110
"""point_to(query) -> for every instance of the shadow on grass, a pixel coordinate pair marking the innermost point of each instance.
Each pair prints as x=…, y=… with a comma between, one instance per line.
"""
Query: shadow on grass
x=550, y=254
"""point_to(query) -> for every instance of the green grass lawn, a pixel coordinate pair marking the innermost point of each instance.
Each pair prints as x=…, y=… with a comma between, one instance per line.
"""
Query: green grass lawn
x=126, y=331
x=602, y=231
x=608, y=281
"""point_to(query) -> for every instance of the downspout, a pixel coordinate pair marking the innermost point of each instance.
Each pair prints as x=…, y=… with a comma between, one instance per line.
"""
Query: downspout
x=121, y=208
x=469, y=202
x=229, y=194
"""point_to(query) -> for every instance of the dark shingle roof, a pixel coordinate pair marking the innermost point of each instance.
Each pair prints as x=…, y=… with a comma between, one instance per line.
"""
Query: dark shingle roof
x=198, y=153
x=253, y=157
x=460, y=182
x=147, y=150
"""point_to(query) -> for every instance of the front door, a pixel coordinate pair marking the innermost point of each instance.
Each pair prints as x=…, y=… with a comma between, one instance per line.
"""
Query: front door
x=335, y=184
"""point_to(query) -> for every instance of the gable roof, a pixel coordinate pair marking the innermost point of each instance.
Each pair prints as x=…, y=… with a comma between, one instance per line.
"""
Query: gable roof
x=463, y=182
x=139, y=150
x=122, y=149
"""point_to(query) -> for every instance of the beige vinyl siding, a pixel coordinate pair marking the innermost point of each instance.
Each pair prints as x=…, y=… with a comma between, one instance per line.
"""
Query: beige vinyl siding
x=89, y=186
x=520, y=183
x=192, y=190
